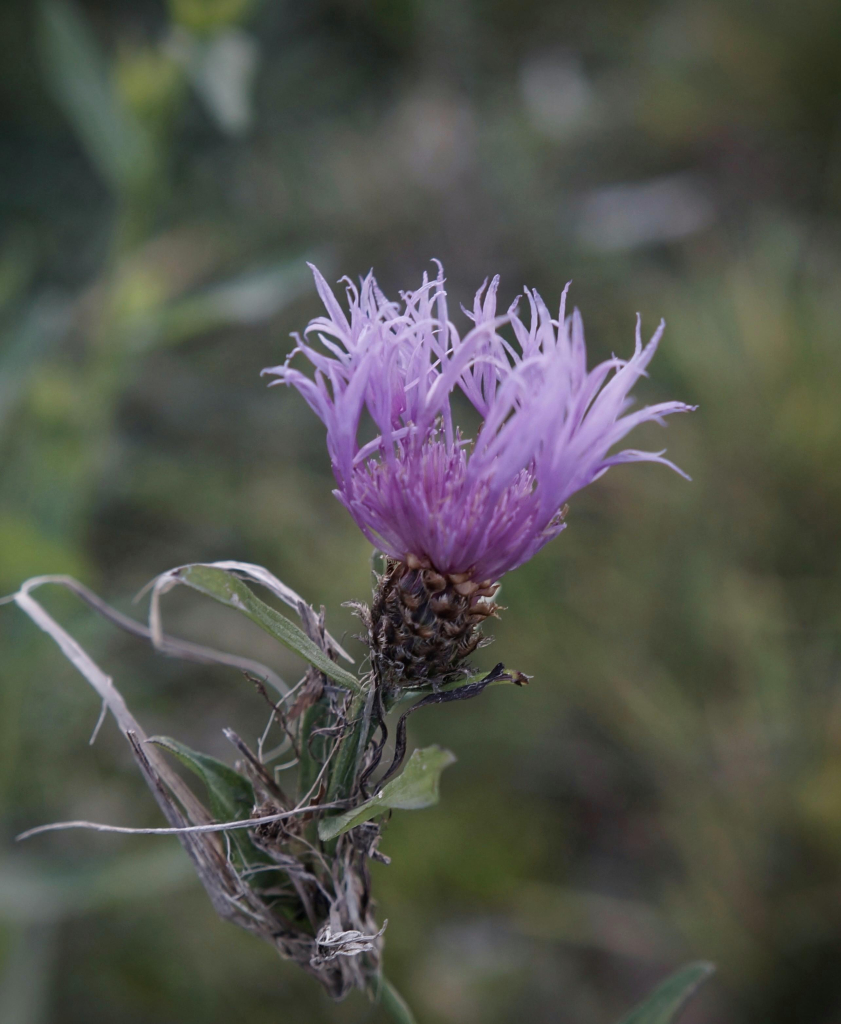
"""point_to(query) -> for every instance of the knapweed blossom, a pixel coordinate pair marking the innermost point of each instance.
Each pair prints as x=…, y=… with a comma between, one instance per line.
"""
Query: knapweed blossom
x=451, y=512
x=421, y=492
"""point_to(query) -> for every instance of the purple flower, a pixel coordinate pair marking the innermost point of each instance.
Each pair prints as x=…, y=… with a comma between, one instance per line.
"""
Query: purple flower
x=419, y=490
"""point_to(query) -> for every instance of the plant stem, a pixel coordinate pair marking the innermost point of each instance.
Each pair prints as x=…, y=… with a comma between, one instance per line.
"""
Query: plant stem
x=355, y=740
x=391, y=1001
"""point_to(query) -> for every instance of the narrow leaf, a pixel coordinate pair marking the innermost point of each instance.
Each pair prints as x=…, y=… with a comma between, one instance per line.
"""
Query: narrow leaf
x=416, y=787
x=260, y=574
x=669, y=998
x=231, y=795
x=231, y=591
x=76, y=71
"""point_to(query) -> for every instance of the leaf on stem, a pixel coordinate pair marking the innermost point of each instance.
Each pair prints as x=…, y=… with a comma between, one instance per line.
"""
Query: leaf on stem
x=231, y=794
x=230, y=590
x=416, y=787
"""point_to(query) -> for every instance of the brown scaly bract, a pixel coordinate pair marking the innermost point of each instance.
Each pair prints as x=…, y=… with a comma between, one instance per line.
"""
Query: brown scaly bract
x=422, y=624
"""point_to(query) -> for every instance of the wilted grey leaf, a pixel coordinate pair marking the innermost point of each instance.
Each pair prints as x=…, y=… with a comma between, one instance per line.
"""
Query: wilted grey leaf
x=104, y=686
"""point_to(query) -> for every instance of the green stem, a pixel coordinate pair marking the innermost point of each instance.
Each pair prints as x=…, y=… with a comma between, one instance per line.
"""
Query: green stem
x=393, y=1003
x=342, y=776
x=310, y=765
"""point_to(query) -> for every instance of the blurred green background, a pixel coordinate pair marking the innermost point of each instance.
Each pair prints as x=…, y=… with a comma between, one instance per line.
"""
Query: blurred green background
x=669, y=786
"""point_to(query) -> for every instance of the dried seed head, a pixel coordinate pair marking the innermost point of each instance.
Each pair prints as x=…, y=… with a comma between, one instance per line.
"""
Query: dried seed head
x=423, y=624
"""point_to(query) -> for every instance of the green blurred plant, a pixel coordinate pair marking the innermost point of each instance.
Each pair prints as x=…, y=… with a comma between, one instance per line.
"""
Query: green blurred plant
x=209, y=16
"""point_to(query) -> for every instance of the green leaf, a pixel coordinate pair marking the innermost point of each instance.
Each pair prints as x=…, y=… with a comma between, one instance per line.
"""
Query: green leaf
x=231, y=795
x=230, y=590
x=75, y=68
x=669, y=998
x=415, y=787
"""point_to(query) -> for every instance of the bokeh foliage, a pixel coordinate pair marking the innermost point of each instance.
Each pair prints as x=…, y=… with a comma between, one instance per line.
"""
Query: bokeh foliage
x=667, y=788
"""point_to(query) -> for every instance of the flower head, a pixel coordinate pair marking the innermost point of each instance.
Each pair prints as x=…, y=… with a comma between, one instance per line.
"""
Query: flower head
x=421, y=492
